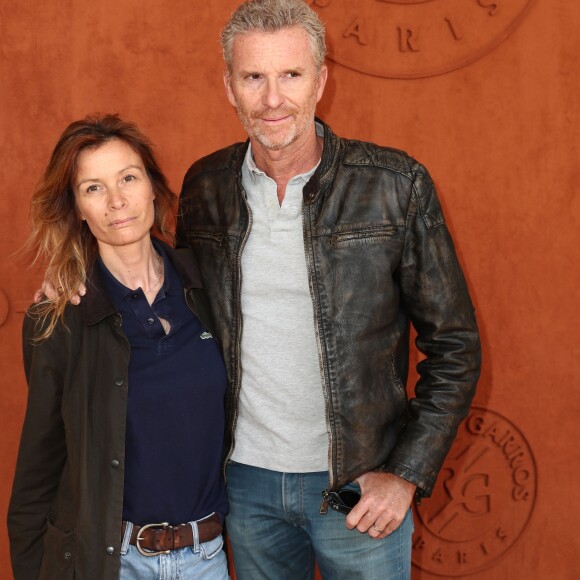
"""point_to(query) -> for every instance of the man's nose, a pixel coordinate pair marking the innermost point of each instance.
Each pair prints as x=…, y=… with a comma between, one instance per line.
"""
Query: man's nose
x=273, y=96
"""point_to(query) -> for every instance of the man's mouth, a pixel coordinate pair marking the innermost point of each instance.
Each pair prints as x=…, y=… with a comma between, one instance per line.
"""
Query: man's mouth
x=274, y=120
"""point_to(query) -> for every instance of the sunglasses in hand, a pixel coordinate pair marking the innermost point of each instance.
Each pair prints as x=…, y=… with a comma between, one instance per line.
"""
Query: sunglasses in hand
x=342, y=500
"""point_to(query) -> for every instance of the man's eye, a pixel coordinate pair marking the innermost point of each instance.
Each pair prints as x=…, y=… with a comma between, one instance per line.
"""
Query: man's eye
x=254, y=77
x=293, y=75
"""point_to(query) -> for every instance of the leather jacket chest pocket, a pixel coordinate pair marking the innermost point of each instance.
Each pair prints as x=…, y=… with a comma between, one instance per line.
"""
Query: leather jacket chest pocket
x=209, y=244
x=209, y=237
x=363, y=234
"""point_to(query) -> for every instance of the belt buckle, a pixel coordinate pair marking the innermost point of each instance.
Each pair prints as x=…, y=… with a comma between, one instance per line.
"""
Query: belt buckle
x=145, y=552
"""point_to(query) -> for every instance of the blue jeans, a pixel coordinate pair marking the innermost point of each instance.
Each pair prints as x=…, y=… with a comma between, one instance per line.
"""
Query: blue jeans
x=207, y=561
x=276, y=532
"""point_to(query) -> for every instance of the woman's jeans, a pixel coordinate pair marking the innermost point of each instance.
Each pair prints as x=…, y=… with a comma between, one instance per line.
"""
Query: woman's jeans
x=205, y=561
x=276, y=532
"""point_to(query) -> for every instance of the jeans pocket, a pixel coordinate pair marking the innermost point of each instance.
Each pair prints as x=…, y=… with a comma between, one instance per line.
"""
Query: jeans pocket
x=58, y=559
x=212, y=548
x=353, y=486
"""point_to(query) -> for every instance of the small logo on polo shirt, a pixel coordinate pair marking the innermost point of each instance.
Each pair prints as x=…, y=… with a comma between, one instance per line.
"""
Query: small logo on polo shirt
x=205, y=335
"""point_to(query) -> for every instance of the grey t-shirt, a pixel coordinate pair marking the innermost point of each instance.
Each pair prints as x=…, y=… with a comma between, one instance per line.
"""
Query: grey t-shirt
x=282, y=422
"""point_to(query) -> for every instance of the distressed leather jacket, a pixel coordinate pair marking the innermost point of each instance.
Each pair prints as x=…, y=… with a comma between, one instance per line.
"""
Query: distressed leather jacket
x=379, y=257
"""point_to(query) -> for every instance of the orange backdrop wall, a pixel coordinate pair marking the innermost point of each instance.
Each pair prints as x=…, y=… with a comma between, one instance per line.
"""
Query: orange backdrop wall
x=498, y=129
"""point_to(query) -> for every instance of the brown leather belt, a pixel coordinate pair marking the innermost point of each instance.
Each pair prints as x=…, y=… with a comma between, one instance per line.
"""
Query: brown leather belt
x=154, y=539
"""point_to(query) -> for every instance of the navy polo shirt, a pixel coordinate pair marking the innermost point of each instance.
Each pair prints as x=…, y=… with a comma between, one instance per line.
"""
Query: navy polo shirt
x=175, y=412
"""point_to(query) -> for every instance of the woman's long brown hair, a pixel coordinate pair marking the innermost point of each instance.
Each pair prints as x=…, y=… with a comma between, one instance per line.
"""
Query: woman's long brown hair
x=59, y=239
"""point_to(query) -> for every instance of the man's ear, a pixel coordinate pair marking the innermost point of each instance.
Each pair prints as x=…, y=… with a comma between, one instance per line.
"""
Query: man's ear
x=322, y=77
x=229, y=91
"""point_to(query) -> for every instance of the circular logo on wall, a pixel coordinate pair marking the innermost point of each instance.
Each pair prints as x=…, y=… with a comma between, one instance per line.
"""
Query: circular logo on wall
x=416, y=38
x=483, y=499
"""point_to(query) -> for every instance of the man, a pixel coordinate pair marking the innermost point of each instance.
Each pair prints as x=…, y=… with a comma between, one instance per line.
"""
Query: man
x=318, y=252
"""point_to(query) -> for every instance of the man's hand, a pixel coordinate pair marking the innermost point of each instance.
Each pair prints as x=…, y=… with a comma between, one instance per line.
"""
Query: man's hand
x=47, y=289
x=385, y=500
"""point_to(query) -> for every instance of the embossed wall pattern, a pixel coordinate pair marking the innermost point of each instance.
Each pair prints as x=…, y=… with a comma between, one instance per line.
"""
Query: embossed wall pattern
x=483, y=501
x=414, y=39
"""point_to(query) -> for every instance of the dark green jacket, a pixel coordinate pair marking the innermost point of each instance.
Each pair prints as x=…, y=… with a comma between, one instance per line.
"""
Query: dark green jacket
x=65, y=513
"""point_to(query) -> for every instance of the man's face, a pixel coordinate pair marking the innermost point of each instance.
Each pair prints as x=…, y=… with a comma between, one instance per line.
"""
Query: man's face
x=274, y=85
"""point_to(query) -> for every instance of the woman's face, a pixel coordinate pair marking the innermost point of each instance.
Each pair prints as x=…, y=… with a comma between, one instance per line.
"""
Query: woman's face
x=114, y=195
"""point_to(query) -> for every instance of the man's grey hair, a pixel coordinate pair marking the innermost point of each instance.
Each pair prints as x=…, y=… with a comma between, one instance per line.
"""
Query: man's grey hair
x=271, y=16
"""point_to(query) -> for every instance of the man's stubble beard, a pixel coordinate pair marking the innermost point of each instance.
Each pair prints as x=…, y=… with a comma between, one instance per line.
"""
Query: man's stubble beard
x=296, y=131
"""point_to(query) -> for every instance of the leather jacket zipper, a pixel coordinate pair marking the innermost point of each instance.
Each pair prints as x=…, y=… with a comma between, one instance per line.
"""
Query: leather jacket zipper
x=239, y=322
x=327, y=403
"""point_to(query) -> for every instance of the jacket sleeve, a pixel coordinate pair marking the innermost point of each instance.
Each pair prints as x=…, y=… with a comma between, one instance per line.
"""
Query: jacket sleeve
x=42, y=452
x=435, y=295
x=180, y=230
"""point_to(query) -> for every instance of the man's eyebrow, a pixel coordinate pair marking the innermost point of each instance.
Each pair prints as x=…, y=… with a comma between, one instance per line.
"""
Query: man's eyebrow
x=247, y=72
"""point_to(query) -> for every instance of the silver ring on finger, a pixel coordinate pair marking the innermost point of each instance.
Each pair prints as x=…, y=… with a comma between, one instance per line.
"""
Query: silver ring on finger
x=377, y=529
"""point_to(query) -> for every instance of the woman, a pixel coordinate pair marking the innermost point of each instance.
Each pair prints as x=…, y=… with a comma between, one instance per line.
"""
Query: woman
x=118, y=472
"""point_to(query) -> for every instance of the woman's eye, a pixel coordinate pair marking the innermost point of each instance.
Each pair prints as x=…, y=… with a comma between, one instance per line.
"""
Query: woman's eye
x=128, y=178
x=92, y=188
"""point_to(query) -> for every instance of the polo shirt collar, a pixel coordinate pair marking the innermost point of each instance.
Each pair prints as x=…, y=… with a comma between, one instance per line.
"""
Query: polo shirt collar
x=96, y=304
